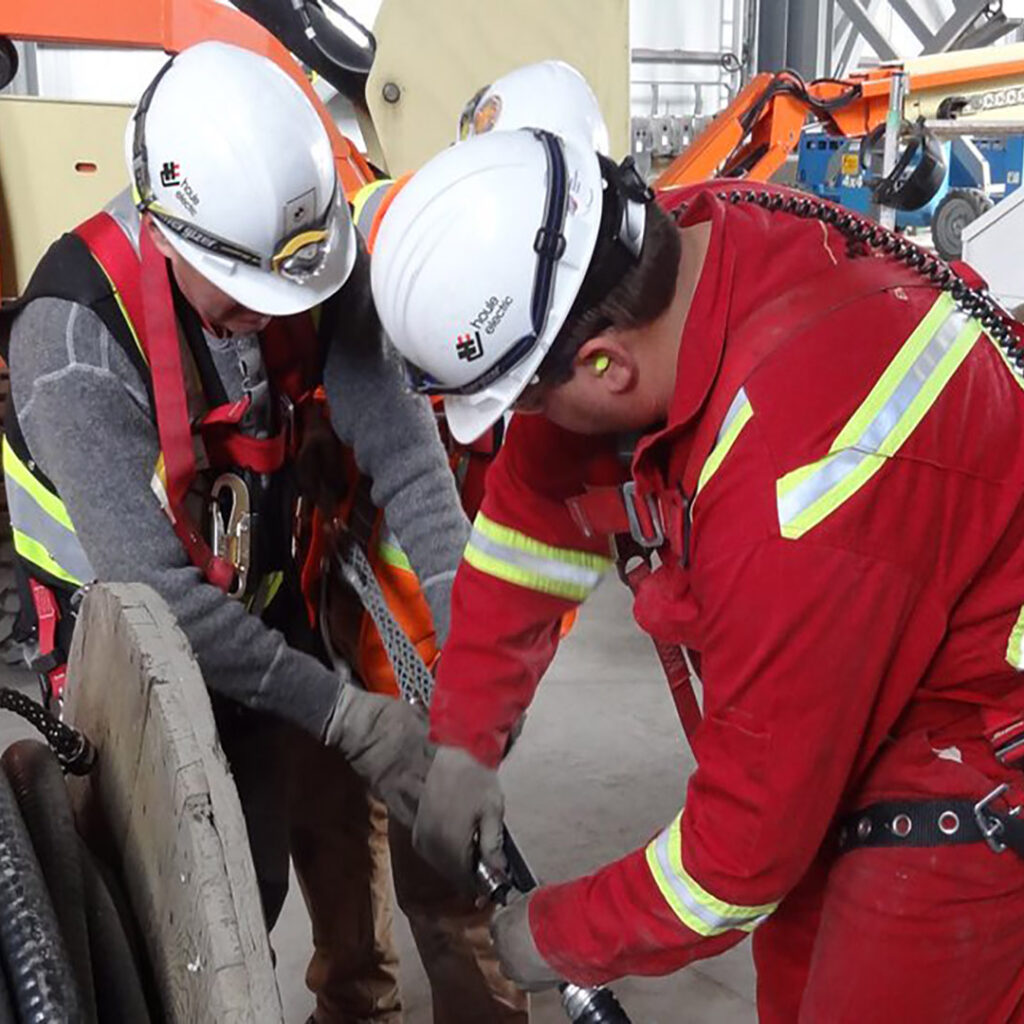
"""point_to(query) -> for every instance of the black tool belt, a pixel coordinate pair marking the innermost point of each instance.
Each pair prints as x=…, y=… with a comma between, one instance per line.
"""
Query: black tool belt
x=933, y=823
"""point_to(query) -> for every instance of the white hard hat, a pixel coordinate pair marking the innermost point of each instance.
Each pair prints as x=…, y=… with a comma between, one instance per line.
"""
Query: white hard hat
x=231, y=160
x=479, y=259
x=551, y=95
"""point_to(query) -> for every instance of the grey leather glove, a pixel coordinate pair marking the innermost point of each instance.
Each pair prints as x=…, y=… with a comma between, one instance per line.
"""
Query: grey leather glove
x=385, y=741
x=461, y=813
x=518, y=955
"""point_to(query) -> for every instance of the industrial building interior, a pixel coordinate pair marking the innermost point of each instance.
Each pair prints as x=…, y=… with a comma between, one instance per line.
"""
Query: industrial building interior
x=602, y=764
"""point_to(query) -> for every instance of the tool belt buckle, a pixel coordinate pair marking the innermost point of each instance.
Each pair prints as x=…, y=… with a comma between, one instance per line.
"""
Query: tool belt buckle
x=990, y=826
x=656, y=538
x=230, y=535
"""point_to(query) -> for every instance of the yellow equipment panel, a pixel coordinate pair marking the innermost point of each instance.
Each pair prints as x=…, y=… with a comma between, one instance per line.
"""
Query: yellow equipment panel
x=60, y=162
x=433, y=55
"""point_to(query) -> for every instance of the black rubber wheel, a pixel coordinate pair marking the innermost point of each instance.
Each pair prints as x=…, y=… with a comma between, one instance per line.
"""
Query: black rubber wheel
x=959, y=207
x=38, y=783
x=119, y=990
x=8, y=62
x=34, y=955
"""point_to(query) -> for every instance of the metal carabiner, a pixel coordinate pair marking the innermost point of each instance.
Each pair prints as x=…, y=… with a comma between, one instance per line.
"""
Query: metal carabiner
x=231, y=533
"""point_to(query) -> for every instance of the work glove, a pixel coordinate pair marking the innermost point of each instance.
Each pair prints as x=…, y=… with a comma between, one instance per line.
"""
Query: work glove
x=518, y=955
x=385, y=741
x=461, y=816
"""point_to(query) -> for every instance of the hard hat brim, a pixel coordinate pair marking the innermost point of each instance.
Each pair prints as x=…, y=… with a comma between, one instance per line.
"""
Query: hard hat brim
x=263, y=291
x=469, y=416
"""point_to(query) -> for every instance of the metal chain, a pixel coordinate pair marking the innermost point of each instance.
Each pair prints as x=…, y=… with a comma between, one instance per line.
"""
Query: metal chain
x=974, y=302
x=74, y=752
x=415, y=682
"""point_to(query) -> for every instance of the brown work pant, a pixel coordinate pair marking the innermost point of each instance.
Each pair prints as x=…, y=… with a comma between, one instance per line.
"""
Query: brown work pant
x=340, y=848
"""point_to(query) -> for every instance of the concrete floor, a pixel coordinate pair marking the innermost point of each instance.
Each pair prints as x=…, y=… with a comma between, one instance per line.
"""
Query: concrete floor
x=601, y=767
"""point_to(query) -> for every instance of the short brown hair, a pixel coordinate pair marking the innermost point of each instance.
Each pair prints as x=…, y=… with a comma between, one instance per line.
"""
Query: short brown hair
x=641, y=294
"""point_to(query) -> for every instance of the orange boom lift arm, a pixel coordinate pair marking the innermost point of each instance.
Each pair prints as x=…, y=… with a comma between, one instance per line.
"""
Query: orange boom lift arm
x=171, y=26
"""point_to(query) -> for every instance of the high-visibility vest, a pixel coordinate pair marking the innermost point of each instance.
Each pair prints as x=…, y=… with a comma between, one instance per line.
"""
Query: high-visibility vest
x=85, y=267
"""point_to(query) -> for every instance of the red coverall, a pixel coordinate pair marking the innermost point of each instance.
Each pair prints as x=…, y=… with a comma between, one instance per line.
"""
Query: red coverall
x=853, y=585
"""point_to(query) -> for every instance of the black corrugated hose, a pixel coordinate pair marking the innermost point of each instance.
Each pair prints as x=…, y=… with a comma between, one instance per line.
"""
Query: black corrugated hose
x=64, y=954
x=38, y=784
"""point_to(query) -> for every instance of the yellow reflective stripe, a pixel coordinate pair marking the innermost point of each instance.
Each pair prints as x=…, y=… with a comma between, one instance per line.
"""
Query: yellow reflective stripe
x=738, y=416
x=883, y=422
x=34, y=552
x=1015, y=645
x=124, y=311
x=1014, y=373
x=392, y=554
x=895, y=372
x=517, y=558
x=47, y=500
x=362, y=197
x=698, y=909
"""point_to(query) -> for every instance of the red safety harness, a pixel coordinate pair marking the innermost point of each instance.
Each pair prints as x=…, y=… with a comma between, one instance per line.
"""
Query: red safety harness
x=290, y=350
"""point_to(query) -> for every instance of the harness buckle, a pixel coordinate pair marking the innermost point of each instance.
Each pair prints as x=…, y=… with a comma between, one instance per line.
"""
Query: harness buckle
x=654, y=539
x=231, y=528
x=991, y=827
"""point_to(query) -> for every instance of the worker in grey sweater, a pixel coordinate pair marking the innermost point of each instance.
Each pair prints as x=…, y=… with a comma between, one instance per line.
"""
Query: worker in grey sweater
x=162, y=362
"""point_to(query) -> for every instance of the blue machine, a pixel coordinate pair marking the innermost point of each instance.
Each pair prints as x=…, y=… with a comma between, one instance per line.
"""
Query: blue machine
x=831, y=168
x=979, y=172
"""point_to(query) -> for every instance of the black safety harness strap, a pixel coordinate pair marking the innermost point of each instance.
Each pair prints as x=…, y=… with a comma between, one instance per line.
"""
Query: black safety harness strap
x=933, y=823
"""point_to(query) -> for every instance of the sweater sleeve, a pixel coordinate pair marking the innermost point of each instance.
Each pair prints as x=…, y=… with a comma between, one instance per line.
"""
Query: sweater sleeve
x=790, y=684
x=527, y=563
x=85, y=416
x=396, y=443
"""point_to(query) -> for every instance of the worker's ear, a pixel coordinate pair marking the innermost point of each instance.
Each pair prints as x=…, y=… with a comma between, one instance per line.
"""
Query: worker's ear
x=156, y=236
x=607, y=360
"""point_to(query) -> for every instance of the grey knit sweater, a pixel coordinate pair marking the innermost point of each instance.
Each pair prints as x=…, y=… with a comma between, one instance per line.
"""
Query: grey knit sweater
x=86, y=418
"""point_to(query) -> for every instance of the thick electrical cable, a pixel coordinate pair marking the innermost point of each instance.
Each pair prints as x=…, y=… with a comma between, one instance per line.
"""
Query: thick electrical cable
x=38, y=785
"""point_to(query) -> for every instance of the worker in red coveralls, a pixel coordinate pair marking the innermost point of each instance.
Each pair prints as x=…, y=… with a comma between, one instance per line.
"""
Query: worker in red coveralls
x=830, y=469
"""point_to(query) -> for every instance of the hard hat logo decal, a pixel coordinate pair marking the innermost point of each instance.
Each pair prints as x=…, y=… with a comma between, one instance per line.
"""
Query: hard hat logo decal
x=170, y=174
x=485, y=116
x=469, y=346
x=491, y=314
x=187, y=196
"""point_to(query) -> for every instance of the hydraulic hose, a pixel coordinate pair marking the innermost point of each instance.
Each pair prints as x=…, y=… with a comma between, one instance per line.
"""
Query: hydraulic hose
x=34, y=955
x=119, y=991
x=38, y=785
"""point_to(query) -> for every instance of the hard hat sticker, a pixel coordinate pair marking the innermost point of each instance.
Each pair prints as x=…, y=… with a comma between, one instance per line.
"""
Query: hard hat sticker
x=170, y=174
x=469, y=347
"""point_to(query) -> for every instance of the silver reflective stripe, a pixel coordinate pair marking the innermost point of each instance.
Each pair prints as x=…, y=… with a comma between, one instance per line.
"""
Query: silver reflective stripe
x=711, y=919
x=914, y=380
x=734, y=410
x=535, y=565
x=28, y=517
x=897, y=404
x=831, y=472
x=370, y=206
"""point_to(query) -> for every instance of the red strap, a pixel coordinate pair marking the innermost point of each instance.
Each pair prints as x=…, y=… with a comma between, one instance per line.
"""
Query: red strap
x=47, y=616
x=600, y=510
x=160, y=334
x=232, y=448
x=227, y=415
x=673, y=663
x=111, y=247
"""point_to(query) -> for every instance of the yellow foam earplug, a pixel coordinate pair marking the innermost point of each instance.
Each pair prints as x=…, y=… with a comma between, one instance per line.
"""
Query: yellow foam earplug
x=601, y=363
